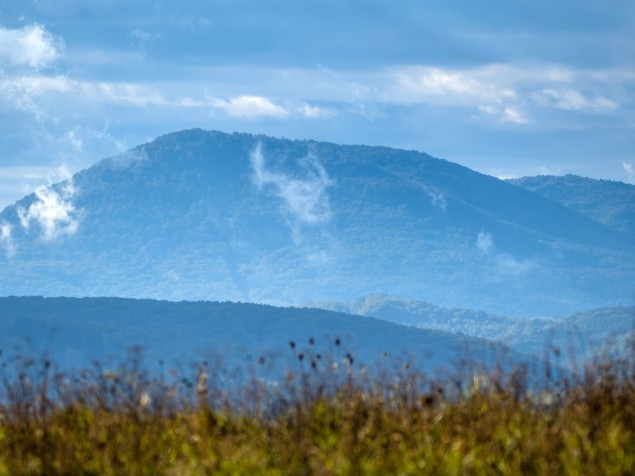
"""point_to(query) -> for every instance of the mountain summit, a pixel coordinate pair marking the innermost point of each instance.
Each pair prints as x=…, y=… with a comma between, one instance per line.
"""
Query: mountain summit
x=208, y=215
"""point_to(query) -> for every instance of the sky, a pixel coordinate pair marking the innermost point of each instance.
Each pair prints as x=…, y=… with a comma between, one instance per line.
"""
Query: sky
x=505, y=87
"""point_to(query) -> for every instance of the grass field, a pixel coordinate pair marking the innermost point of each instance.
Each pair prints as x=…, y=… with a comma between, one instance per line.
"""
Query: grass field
x=326, y=416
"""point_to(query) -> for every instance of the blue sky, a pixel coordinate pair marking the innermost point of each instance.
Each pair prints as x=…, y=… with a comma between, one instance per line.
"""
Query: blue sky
x=506, y=87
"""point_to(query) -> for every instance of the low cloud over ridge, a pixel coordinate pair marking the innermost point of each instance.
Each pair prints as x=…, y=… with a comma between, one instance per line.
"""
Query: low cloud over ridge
x=53, y=211
x=305, y=199
x=6, y=240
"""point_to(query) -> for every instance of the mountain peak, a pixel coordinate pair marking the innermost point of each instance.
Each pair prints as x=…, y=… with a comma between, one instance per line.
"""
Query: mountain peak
x=208, y=215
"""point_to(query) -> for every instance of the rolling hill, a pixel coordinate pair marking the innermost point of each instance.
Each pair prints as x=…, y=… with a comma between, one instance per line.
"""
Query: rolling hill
x=573, y=341
x=75, y=331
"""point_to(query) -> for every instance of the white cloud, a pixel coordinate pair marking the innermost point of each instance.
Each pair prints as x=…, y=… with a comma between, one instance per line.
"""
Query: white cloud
x=75, y=141
x=504, y=262
x=18, y=181
x=504, y=114
x=484, y=242
x=314, y=112
x=305, y=199
x=572, y=100
x=438, y=200
x=512, y=115
x=250, y=107
x=35, y=172
x=510, y=265
x=53, y=211
x=31, y=46
x=6, y=240
x=548, y=170
x=143, y=38
x=504, y=91
x=470, y=86
x=135, y=94
x=128, y=158
x=23, y=92
x=630, y=171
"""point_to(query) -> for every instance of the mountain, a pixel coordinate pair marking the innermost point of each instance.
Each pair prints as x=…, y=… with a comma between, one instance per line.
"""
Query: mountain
x=74, y=331
x=576, y=340
x=207, y=215
x=605, y=201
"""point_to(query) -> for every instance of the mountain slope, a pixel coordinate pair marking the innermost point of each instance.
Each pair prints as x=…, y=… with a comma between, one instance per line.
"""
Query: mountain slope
x=608, y=202
x=208, y=215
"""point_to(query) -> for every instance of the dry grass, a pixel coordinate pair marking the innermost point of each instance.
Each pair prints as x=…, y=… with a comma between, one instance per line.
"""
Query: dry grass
x=327, y=416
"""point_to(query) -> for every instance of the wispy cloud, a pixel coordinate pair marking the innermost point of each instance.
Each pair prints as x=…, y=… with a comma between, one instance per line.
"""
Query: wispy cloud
x=505, y=262
x=572, y=100
x=128, y=158
x=427, y=83
x=23, y=92
x=508, y=92
x=305, y=199
x=438, y=200
x=484, y=242
x=24, y=179
x=314, y=112
x=6, y=240
x=250, y=107
x=134, y=94
x=142, y=38
x=53, y=211
x=505, y=93
x=629, y=170
x=31, y=46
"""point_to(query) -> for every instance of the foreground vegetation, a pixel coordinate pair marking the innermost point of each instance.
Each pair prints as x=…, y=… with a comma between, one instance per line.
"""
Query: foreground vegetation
x=325, y=416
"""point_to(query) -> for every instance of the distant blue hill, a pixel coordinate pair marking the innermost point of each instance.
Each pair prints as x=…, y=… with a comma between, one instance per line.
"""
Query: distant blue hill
x=576, y=340
x=214, y=216
x=605, y=201
x=74, y=332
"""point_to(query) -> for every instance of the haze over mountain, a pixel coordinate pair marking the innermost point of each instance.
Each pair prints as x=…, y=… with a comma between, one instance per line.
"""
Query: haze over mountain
x=208, y=215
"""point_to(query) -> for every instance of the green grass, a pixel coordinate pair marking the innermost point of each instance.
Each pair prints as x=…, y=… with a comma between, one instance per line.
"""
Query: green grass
x=327, y=416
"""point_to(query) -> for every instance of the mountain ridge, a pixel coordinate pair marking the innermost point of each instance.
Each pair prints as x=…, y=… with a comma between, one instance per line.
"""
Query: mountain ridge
x=609, y=202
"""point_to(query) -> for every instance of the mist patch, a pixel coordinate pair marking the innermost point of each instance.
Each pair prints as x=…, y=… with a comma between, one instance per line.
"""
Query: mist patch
x=53, y=211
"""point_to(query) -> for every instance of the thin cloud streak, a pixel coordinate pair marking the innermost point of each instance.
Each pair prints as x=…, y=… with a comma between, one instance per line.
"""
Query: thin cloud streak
x=506, y=93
